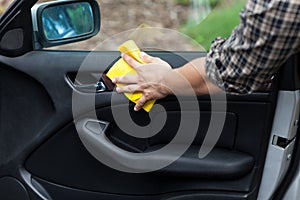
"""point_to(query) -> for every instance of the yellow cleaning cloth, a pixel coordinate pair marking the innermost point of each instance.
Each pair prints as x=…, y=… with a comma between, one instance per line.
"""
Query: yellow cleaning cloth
x=121, y=68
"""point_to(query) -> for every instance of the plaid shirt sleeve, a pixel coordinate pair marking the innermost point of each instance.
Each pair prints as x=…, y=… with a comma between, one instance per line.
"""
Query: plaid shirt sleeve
x=269, y=33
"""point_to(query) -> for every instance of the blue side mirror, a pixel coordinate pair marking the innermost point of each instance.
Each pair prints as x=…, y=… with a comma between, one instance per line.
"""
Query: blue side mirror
x=57, y=23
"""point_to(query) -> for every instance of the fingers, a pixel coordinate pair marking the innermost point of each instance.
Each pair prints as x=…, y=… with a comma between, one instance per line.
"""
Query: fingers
x=132, y=89
x=141, y=102
x=145, y=57
x=150, y=59
x=128, y=89
x=127, y=79
x=131, y=61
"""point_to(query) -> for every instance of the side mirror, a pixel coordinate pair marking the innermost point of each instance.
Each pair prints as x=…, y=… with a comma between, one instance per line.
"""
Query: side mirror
x=61, y=22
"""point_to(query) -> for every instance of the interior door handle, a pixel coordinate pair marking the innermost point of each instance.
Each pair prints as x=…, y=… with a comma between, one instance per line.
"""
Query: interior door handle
x=97, y=87
x=90, y=88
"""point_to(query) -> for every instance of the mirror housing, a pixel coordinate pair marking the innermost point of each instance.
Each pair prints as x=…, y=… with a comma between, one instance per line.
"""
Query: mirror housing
x=62, y=22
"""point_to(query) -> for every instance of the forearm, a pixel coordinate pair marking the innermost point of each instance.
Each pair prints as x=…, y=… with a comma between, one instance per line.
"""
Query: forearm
x=190, y=79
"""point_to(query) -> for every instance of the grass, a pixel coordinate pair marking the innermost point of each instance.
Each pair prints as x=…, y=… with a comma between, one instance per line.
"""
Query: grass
x=220, y=22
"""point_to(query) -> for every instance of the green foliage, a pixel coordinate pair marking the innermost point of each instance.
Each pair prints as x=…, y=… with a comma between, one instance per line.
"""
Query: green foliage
x=183, y=2
x=220, y=22
x=213, y=3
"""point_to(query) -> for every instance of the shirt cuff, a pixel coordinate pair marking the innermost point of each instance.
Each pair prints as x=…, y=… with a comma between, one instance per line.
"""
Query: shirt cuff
x=213, y=64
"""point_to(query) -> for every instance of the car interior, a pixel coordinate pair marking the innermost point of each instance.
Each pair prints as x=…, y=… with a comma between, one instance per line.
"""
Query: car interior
x=42, y=155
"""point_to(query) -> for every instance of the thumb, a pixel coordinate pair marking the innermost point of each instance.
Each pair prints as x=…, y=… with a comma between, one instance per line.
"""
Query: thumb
x=147, y=58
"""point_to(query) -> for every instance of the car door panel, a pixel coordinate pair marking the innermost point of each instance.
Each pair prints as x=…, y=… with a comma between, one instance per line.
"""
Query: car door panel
x=39, y=161
x=36, y=85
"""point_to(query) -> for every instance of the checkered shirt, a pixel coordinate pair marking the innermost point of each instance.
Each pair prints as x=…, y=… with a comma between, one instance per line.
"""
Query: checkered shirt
x=268, y=35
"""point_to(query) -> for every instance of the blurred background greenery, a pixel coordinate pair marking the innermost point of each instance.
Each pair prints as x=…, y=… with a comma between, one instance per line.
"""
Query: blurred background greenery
x=221, y=20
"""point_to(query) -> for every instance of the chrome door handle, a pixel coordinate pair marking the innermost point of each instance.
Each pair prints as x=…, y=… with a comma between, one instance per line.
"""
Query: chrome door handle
x=90, y=88
x=86, y=88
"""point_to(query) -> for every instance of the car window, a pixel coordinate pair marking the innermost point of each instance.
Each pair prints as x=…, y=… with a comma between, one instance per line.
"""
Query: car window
x=176, y=25
x=4, y=5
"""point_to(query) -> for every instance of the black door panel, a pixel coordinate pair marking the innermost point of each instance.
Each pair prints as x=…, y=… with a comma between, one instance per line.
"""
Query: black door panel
x=26, y=111
x=89, y=170
x=59, y=162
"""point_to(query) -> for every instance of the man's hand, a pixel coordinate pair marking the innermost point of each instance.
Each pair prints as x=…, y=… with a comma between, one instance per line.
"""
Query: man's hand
x=150, y=79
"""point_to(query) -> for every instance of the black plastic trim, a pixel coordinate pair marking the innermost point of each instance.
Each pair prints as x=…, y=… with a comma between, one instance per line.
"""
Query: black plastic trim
x=290, y=74
x=12, y=189
x=18, y=16
x=220, y=163
x=63, y=192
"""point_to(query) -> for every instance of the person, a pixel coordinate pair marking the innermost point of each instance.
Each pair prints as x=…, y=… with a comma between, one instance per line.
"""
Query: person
x=268, y=35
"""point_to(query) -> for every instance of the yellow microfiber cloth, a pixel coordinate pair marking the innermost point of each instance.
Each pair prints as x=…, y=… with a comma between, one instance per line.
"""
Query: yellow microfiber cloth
x=121, y=68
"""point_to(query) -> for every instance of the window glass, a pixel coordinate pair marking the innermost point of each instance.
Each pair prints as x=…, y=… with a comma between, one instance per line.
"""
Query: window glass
x=180, y=25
